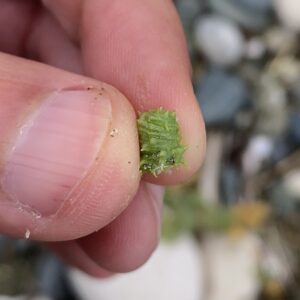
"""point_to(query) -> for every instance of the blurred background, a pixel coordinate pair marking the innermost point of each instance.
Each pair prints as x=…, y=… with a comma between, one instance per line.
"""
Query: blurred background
x=233, y=231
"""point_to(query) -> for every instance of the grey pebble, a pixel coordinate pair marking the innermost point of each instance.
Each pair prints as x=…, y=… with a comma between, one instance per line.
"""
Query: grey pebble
x=284, y=147
x=283, y=202
x=231, y=182
x=294, y=128
x=188, y=10
x=251, y=14
x=52, y=278
x=222, y=96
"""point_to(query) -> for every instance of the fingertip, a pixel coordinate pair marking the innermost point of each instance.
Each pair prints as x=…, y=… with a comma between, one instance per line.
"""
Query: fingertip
x=112, y=182
x=69, y=160
x=128, y=242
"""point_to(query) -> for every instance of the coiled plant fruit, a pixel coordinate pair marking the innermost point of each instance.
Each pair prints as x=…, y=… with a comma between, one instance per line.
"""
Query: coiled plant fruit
x=160, y=141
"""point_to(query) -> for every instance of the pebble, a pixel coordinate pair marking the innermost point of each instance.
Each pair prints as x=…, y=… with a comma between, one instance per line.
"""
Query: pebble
x=283, y=202
x=283, y=148
x=287, y=69
x=294, y=128
x=280, y=39
x=258, y=151
x=271, y=106
x=295, y=94
x=188, y=10
x=291, y=183
x=7, y=247
x=230, y=184
x=251, y=14
x=25, y=297
x=275, y=259
x=255, y=48
x=52, y=278
x=25, y=248
x=219, y=40
x=288, y=12
x=222, y=96
x=232, y=267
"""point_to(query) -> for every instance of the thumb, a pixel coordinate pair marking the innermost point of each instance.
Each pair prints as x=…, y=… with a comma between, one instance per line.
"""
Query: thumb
x=60, y=141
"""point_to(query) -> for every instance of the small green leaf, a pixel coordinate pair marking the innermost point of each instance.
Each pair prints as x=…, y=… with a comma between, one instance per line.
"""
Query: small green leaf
x=160, y=141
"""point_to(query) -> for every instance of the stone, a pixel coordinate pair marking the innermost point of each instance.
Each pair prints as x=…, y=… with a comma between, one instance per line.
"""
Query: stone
x=280, y=39
x=188, y=10
x=7, y=247
x=288, y=12
x=25, y=297
x=255, y=48
x=232, y=266
x=221, y=95
x=230, y=184
x=287, y=69
x=258, y=151
x=271, y=106
x=251, y=14
x=276, y=259
x=283, y=148
x=295, y=94
x=52, y=278
x=219, y=40
x=282, y=200
x=291, y=183
x=294, y=128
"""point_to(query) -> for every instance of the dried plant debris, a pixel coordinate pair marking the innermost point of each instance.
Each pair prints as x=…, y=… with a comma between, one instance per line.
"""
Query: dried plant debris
x=160, y=141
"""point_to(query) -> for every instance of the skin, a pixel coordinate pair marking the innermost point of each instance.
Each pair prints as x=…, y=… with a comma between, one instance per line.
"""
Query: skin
x=136, y=46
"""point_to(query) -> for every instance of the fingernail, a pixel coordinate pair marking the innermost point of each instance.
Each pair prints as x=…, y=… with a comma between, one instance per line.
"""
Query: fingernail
x=55, y=149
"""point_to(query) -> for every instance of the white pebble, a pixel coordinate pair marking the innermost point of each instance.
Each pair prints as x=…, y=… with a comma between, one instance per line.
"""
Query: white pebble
x=220, y=40
x=288, y=11
x=232, y=267
x=255, y=48
x=258, y=150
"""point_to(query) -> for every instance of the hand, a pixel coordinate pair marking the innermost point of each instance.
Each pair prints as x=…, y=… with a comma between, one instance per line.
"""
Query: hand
x=67, y=177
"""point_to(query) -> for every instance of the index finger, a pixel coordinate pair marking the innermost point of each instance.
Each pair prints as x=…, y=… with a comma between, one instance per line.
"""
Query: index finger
x=138, y=46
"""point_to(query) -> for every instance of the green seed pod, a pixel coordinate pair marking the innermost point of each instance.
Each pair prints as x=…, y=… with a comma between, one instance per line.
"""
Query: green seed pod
x=160, y=141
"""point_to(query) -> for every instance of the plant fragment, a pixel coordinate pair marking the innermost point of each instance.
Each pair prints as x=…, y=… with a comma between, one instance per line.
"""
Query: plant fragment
x=160, y=141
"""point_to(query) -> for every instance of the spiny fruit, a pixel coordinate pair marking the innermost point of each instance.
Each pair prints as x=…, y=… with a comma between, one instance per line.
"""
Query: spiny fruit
x=160, y=141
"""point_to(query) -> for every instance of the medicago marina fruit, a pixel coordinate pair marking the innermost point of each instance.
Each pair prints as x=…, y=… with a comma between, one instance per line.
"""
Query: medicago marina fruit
x=160, y=141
